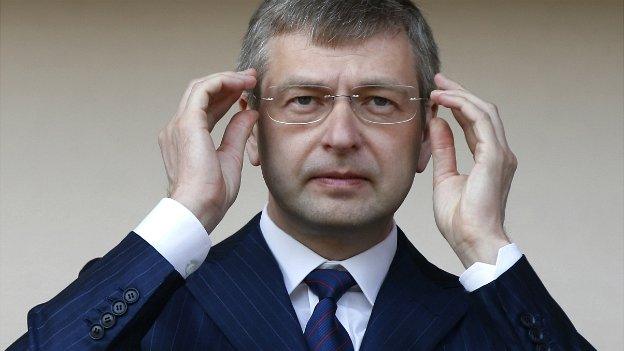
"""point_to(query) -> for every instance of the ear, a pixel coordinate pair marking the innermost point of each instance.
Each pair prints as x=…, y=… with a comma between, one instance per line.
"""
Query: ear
x=252, y=142
x=425, y=145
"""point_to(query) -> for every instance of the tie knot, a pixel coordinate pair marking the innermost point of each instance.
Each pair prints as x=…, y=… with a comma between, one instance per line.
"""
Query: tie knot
x=329, y=283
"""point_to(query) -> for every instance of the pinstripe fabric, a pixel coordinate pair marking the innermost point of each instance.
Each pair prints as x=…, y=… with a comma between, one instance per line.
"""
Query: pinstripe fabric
x=241, y=286
x=63, y=323
x=237, y=301
x=324, y=332
x=183, y=325
x=416, y=305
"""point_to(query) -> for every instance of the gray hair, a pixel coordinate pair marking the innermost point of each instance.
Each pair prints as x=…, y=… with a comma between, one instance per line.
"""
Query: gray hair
x=333, y=23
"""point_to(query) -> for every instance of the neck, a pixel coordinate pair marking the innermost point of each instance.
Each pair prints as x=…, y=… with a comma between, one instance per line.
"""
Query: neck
x=331, y=242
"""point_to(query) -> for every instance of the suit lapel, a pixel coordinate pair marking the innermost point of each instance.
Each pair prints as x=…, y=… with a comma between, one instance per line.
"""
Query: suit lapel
x=417, y=304
x=241, y=287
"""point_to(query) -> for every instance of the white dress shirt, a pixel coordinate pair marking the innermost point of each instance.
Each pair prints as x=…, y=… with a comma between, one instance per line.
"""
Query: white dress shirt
x=178, y=235
x=368, y=269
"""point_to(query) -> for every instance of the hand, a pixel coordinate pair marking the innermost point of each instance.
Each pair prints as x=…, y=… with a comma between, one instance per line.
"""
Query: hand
x=204, y=179
x=469, y=209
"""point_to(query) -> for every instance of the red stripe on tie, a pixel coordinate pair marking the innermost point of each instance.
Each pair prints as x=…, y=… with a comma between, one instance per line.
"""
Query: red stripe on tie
x=321, y=283
x=319, y=322
x=337, y=277
x=326, y=337
x=343, y=344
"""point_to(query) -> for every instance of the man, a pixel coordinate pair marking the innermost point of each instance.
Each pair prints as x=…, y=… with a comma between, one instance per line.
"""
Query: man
x=338, y=106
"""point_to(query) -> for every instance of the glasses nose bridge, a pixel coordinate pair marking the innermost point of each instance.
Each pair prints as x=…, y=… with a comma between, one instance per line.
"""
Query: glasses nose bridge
x=333, y=103
x=339, y=95
x=334, y=96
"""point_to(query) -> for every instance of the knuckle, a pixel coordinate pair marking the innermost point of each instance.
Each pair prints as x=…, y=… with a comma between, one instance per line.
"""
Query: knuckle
x=508, y=158
x=492, y=108
x=161, y=137
x=513, y=161
x=195, y=85
x=482, y=116
x=178, y=124
x=193, y=114
x=499, y=155
x=221, y=76
x=191, y=91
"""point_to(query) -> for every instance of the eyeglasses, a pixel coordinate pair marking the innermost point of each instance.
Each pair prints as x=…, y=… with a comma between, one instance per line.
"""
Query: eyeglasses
x=305, y=104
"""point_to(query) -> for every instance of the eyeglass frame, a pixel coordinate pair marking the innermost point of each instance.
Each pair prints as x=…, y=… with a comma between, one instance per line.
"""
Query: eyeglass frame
x=333, y=97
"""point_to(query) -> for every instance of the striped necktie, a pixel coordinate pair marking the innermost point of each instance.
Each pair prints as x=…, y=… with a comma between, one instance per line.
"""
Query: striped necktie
x=323, y=332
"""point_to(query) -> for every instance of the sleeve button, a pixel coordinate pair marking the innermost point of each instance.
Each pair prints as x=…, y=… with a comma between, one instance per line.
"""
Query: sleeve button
x=542, y=347
x=131, y=295
x=119, y=308
x=107, y=320
x=97, y=332
x=528, y=320
x=536, y=334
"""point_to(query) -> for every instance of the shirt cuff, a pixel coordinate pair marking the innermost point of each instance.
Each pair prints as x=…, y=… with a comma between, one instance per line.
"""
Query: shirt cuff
x=175, y=232
x=480, y=274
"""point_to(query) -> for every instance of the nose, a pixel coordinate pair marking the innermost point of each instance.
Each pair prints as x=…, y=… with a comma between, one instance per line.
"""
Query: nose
x=342, y=129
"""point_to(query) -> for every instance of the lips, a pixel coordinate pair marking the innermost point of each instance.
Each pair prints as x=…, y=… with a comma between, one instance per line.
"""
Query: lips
x=340, y=175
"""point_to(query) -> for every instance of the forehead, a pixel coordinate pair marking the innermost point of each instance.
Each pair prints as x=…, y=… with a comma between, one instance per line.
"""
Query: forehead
x=382, y=58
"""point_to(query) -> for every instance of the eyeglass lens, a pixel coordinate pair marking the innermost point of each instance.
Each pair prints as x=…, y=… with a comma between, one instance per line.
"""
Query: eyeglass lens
x=374, y=103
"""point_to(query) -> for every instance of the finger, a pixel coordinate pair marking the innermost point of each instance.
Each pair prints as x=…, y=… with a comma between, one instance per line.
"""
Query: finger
x=220, y=103
x=478, y=119
x=232, y=147
x=187, y=92
x=490, y=108
x=449, y=85
x=221, y=83
x=444, y=82
x=464, y=123
x=442, y=150
x=216, y=96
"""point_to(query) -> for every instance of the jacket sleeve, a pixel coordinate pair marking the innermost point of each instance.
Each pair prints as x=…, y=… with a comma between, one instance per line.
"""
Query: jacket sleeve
x=113, y=302
x=524, y=312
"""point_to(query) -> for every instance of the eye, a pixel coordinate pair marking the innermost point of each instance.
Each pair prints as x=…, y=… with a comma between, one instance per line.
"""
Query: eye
x=380, y=101
x=303, y=100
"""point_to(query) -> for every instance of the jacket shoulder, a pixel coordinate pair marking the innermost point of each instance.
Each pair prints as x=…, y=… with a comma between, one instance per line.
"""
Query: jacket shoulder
x=434, y=273
x=226, y=246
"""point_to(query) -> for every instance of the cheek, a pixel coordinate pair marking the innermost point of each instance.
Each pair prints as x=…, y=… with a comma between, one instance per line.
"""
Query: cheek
x=398, y=164
x=281, y=155
x=399, y=150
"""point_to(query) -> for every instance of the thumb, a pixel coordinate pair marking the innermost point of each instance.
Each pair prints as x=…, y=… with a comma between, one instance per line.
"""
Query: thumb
x=232, y=147
x=442, y=150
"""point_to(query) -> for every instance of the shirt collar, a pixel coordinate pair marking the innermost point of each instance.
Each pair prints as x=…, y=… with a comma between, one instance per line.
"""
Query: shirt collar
x=296, y=260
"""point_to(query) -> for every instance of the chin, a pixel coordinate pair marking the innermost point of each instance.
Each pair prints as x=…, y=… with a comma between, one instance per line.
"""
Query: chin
x=310, y=207
x=337, y=212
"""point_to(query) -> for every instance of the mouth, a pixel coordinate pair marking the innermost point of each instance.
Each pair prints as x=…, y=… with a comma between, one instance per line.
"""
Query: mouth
x=339, y=179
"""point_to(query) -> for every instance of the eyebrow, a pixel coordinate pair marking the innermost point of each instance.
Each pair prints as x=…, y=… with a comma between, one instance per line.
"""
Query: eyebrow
x=374, y=80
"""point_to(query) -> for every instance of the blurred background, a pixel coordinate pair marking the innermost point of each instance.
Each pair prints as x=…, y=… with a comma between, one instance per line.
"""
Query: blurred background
x=85, y=87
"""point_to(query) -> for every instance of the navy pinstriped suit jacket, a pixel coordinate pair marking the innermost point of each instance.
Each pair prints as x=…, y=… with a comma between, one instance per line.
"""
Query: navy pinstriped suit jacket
x=237, y=300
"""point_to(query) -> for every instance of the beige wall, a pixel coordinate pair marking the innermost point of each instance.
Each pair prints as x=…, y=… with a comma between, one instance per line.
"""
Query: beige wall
x=87, y=85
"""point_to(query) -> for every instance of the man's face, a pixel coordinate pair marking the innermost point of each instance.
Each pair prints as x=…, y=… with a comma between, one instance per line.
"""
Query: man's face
x=291, y=156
